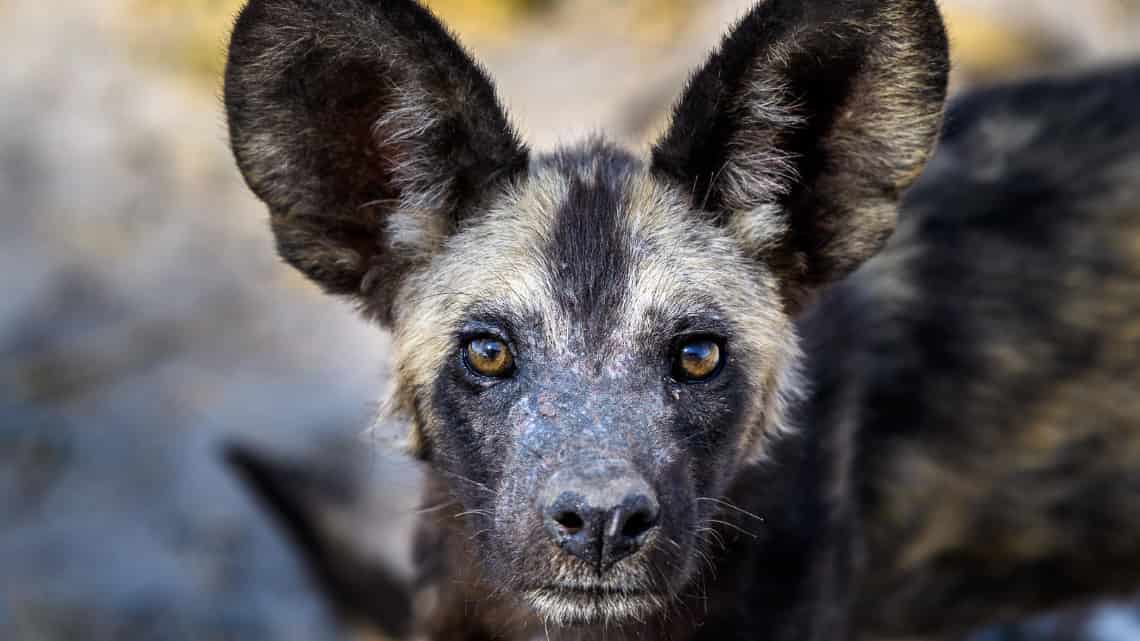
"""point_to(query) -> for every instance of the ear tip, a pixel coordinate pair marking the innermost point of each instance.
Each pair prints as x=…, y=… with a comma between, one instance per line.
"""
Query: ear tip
x=239, y=457
x=252, y=14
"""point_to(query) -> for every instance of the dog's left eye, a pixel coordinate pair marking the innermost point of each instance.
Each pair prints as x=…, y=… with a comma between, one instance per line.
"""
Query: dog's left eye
x=697, y=360
x=489, y=356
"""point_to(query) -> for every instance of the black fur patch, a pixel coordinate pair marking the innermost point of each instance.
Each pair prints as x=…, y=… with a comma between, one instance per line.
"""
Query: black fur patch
x=588, y=253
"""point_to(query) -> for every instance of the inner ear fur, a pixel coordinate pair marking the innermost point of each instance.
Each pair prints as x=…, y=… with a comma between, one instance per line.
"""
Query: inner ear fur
x=801, y=131
x=369, y=133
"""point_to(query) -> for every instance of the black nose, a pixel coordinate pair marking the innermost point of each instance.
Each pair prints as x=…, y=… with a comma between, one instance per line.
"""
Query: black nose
x=600, y=513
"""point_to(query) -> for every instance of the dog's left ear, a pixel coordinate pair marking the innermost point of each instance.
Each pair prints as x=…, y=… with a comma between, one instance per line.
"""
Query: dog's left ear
x=802, y=130
x=369, y=132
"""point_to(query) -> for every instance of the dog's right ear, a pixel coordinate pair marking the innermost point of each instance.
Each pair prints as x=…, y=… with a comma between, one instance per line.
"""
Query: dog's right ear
x=323, y=514
x=368, y=131
x=800, y=133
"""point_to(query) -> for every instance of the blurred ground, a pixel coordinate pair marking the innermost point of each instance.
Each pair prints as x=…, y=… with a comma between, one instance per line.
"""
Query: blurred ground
x=144, y=319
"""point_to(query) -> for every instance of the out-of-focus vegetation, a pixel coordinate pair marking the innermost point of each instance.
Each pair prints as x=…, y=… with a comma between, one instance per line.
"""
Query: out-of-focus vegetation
x=986, y=47
x=187, y=37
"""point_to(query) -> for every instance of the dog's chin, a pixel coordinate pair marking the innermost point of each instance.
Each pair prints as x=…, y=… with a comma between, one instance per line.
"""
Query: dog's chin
x=567, y=607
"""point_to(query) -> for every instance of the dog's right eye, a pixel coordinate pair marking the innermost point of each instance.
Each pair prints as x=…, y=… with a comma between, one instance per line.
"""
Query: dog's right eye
x=490, y=357
x=697, y=360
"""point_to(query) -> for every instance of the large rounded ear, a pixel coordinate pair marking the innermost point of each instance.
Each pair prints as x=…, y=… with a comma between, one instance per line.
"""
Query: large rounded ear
x=367, y=130
x=800, y=132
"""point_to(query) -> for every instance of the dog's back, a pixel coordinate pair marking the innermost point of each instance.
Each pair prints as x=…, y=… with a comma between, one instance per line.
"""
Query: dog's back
x=990, y=359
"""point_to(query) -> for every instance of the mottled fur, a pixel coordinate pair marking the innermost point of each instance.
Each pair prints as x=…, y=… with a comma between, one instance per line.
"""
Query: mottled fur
x=393, y=176
x=999, y=447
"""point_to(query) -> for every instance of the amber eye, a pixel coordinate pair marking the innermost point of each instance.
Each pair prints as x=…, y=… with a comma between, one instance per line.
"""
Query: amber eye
x=697, y=360
x=489, y=356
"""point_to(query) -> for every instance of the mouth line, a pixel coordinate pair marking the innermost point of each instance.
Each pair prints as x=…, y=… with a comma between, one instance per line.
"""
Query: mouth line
x=599, y=591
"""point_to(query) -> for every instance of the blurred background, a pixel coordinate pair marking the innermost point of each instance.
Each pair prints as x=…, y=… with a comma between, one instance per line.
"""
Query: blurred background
x=144, y=319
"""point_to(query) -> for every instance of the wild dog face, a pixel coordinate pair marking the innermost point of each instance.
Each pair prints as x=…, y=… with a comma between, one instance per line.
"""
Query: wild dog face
x=589, y=345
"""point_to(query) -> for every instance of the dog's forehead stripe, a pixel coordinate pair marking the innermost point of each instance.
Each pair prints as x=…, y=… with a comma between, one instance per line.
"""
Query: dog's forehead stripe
x=587, y=258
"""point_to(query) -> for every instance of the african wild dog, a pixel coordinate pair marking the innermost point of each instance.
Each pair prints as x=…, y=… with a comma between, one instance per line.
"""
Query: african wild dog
x=601, y=355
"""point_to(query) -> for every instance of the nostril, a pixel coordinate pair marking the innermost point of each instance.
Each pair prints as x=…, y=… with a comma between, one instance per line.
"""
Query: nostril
x=571, y=522
x=600, y=513
x=638, y=523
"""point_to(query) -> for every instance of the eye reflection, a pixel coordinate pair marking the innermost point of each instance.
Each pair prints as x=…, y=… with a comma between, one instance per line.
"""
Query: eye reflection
x=489, y=356
x=697, y=360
